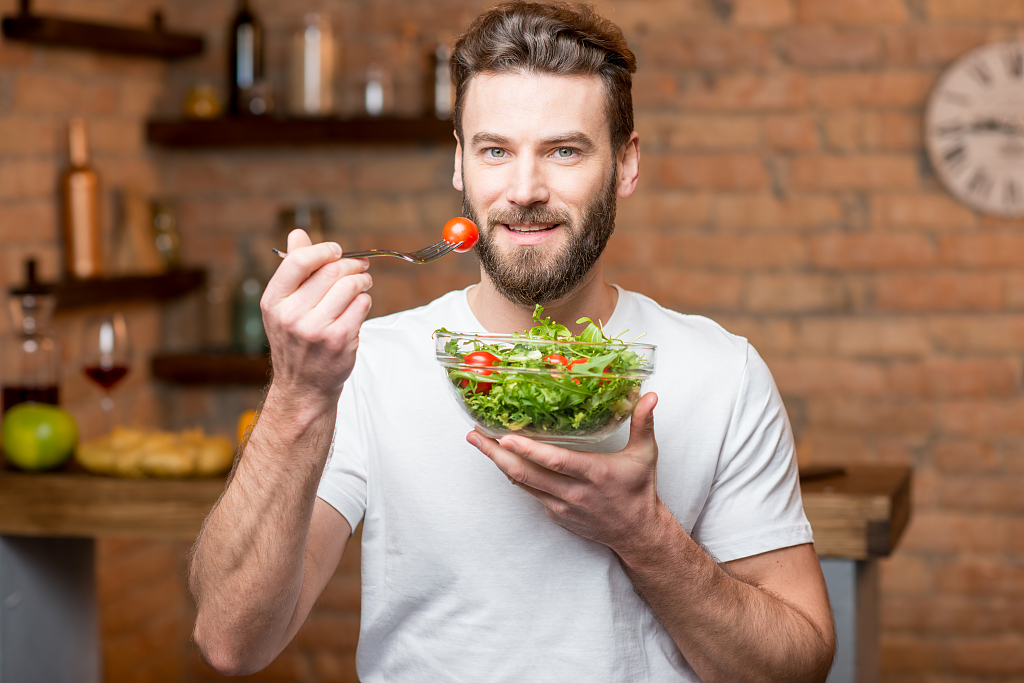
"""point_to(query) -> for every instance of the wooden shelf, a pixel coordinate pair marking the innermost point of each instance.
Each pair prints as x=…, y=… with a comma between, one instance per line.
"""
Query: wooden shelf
x=256, y=131
x=49, y=30
x=858, y=512
x=74, y=294
x=212, y=368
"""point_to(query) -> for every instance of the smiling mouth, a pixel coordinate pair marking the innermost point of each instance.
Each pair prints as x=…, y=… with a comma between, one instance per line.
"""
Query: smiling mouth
x=530, y=229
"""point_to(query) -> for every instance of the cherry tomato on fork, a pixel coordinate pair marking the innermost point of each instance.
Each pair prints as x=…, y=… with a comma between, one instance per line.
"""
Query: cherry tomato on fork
x=461, y=230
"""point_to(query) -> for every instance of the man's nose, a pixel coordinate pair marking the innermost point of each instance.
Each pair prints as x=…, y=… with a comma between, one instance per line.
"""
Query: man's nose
x=528, y=185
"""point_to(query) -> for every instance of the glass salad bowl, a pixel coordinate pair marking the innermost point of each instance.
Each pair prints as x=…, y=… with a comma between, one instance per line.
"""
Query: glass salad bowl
x=558, y=391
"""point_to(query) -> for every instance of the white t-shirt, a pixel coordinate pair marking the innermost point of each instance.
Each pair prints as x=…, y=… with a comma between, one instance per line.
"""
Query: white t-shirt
x=465, y=579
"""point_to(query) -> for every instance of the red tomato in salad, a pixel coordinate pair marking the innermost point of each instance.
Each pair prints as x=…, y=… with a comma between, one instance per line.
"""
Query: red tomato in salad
x=482, y=359
x=461, y=230
x=559, y=359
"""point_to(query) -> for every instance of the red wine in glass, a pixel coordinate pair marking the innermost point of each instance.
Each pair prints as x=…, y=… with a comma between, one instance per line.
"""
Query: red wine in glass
x=106, y=377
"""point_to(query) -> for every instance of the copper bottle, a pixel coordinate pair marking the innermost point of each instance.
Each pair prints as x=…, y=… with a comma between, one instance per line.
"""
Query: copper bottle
x=79, y=189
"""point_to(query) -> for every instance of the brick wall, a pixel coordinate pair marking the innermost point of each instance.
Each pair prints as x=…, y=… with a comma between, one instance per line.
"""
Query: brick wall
x=784, y=192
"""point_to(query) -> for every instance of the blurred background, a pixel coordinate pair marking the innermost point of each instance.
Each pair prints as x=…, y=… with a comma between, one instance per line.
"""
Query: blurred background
x=790, y=189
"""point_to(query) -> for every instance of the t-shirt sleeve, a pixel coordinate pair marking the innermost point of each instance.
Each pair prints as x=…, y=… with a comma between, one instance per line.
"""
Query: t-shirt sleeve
x=343, y=484
x=754, y=504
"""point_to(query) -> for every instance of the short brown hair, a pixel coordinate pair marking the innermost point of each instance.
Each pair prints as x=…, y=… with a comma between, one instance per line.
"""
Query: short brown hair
x=557, y=39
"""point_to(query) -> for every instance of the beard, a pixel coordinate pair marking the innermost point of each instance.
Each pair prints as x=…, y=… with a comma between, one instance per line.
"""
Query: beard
x=528, y=276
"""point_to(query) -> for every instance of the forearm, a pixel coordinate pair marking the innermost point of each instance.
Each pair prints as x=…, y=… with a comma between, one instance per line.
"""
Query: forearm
x=248, y=564
x=727, y=629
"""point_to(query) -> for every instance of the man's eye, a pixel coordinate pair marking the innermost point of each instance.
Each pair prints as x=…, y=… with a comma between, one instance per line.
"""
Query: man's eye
x=496, y=152
x=564, y=152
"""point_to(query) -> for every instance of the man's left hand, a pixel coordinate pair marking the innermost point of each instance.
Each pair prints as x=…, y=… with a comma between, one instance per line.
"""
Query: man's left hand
x=605, y=497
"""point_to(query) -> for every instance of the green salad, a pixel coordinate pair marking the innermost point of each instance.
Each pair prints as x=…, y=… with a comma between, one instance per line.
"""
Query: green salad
x=546, y=381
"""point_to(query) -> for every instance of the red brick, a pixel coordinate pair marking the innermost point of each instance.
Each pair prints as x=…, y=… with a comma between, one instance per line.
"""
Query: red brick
x=974, y=10
x=134, y=606
x=120, y=572
x=42, y=92
x=29, y=135
x=14, y=54
x=952, y=615
x=983, y=418
x=938, y=292
x=811, y=376
x=966, y=455
x=911, y=653
x=929, y=211
x=954, y=533
x=983, y=250
x=864, y=336
x=628, y=15
x=695, y=132
x=794, y=293
x=662, y=209
x=994, y=655
x=997, y=494
x=827, y=447
x=852, y=11
x=868, y=131
x=870, y=415
x=768, y=336
x=713, y=172
x=871, y=251
x=763, y=211
x=743, y=92
x=729, y=251
x=843, y=90
x=28, y=179
x=931, y=45
x=34, y=220
x=864, y=172
x=418, y=172
x=335, y=668
x=707, y=49
x=980, y=576
x=791, y=132
x=653, y=89
x=903, y=574
x=824, y=46
x=763, y=13
x=694, y=290
x=942, y=377
x=342, y=593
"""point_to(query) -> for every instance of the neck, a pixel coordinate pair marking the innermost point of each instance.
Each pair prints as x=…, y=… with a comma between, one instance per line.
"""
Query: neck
x=593, y=298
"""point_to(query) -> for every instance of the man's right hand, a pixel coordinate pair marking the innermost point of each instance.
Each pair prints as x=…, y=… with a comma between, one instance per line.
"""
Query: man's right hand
x=313, y=308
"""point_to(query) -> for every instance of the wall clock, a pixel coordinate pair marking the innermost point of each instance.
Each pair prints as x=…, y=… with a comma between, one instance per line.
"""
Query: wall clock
x=974, y=129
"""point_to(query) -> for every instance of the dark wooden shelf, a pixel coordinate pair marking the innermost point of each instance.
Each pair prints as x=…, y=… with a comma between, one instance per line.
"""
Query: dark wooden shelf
x=214, y=367
x=49, y=30
x=73, y=294
x=274, y=132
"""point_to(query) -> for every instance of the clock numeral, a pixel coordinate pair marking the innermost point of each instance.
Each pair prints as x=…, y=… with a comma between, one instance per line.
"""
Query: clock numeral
x=980, y=184
x=1012, y=194
x=1015, y=63
x=980, y=72
x=955, y=157
x=957, y=98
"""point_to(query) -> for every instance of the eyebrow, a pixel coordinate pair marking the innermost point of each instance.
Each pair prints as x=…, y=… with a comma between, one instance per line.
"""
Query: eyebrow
x=579, y=139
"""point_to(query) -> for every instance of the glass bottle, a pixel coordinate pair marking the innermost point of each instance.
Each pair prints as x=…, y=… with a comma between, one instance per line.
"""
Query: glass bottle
x=30, y=368
x=311, y=82
x=245, y=57
x=80, y=199
x=247, y=333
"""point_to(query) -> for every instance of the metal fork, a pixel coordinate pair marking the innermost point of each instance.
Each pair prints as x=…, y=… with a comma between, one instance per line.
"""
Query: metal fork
x=426, y=255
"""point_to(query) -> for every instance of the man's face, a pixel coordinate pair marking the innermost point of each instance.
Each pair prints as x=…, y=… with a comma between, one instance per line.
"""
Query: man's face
x=539, y=178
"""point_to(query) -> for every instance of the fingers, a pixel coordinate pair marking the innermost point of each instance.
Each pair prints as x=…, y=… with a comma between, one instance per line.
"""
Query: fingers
x=297, y=239
x=517, y=465
x=301, y=263
x=641, y=423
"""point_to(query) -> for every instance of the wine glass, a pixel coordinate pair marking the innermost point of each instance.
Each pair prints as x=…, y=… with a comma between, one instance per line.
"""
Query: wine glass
x=106, y=356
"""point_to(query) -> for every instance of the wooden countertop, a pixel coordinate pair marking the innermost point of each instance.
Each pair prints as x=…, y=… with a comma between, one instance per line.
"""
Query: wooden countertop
x=856, y=513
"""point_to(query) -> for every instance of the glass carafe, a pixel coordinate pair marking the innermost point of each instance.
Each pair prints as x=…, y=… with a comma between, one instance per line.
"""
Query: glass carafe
x=30, y=369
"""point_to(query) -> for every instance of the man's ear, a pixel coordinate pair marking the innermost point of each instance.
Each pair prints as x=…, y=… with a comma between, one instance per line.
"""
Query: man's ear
x=457, y=178
x=627, y=166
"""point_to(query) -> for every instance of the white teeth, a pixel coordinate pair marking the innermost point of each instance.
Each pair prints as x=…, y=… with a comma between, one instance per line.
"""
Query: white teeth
x=528, y=231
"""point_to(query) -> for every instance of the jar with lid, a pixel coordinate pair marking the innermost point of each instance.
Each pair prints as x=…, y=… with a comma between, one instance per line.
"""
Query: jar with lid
x=30, y=368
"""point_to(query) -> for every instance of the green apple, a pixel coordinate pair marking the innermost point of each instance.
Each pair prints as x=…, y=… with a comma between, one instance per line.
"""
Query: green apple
x=38, y=436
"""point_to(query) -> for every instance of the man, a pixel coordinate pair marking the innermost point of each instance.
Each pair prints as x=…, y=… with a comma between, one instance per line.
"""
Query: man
x=590, y=567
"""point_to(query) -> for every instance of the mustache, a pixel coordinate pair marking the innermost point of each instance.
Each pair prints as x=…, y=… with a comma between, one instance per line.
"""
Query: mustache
x=528, y=214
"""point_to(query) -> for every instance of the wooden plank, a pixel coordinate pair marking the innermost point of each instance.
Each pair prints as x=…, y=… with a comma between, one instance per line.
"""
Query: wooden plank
x=65, y=504
x=212, y=368
x=73, y=294
x=266, y=131
x=859, y=514
x=46, y=30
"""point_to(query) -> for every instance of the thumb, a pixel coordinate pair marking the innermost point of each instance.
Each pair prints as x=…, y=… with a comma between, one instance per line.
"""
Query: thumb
x=297, y=239
x=641, y=424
